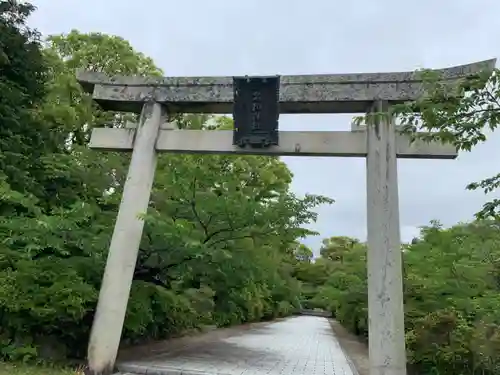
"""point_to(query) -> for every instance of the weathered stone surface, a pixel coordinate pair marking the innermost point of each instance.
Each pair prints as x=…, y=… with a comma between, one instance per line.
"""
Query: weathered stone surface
x=334, y=93
x=292, y=143
x=118, y=274
x=384, y=259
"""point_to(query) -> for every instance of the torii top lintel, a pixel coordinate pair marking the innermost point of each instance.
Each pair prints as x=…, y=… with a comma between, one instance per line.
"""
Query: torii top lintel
x=332, y=93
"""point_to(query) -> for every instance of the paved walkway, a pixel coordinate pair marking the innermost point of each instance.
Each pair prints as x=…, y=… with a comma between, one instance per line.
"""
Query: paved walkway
x=303, y=345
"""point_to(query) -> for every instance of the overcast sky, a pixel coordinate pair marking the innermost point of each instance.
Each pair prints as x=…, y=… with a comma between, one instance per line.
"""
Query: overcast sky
x=258, y=37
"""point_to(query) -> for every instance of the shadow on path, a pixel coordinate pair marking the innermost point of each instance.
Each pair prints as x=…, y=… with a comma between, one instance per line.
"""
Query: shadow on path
x=303, y=345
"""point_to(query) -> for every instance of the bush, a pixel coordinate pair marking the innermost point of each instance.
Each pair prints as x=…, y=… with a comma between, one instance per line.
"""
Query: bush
x=451, y=294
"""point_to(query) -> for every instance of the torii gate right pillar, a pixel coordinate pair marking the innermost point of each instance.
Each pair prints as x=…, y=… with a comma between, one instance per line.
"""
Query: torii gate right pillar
x=385, y=288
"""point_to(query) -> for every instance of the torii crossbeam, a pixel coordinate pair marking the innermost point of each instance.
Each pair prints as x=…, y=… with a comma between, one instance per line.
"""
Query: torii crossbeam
x=379, y=142
x=292, y=143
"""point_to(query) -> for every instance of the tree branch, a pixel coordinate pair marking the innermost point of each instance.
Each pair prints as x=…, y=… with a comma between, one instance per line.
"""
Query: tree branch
x=213, y=234
x=195, y=211
x=151, y=278
x=252, y=236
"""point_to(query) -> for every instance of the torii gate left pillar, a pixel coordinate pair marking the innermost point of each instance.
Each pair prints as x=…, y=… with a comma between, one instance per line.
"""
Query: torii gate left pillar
x=349, y=93
x=125, y=242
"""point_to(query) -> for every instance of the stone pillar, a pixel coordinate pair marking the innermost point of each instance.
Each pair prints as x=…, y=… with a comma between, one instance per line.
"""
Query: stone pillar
x=385, y=286
x=115, y=289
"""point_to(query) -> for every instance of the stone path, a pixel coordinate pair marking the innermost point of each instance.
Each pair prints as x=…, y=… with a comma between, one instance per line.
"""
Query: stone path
x=303, y=345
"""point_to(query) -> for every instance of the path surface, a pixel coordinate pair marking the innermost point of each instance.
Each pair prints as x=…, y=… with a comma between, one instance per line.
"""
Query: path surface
x=303, y=345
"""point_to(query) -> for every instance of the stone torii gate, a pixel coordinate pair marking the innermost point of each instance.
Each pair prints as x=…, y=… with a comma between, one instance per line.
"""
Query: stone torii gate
x=256, y=103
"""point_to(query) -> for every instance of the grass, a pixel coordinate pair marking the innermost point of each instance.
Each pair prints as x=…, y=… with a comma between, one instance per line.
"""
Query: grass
x=21, y=369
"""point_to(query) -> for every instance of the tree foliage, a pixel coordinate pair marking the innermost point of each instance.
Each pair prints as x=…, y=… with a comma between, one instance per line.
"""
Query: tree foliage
x=451, y=296
x=462, y=113
x=221, y=243
x=220, y=235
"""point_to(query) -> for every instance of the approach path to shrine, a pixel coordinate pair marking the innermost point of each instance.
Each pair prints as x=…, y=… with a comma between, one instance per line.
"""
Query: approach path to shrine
x=303, y=345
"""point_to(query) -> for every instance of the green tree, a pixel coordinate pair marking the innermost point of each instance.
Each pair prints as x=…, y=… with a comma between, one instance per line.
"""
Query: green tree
x=303, y=253
x=462, y=113
x=26, y=224
x=22, y=87
x=452, y=303
x=219, y=237
x=55, y=237
x=451, y=284
x=318, y=285
x=336, y=248
x=242, y=218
